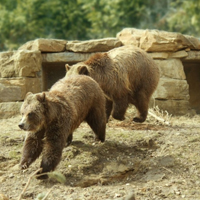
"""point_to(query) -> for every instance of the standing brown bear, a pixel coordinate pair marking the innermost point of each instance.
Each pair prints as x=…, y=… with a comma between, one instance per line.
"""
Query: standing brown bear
x=126, y=74
x=51, y=117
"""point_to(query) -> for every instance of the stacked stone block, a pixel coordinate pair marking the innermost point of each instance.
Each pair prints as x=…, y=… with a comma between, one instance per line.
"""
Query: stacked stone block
x=21, y=70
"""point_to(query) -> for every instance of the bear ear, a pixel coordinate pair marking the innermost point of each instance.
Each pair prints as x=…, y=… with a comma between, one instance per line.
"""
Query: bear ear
x=83, y=70
x=27, y=94
x=67, y=67
x=41, y=97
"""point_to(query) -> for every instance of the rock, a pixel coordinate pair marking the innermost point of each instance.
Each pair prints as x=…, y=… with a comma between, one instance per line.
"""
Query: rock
x=130, y=196
x=7, y=64
x=174, y=107
x=172, y=89
x=98, y=45
x=45, y=45
x=116, y=168
x=9, y=109
x=159, y=55
x=15, y=89
x=178, y=54
x=11, y=175
x=20, y=63
x=167, y=161
x=28, y=63
x=66, y=57
x=192, y=56
x=167, y=55
x=171, y=68
x=153, y=175
x=157, y=41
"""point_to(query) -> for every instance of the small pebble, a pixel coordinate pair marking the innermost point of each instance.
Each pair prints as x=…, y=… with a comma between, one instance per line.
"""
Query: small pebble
x=11, y=175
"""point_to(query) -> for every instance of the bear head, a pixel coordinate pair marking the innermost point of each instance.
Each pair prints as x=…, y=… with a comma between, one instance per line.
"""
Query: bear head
x=79, y=68
x=32, y=111
x=99, y=63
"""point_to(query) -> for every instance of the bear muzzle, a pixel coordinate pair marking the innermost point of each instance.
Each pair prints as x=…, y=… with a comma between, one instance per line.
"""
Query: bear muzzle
x=21, y=125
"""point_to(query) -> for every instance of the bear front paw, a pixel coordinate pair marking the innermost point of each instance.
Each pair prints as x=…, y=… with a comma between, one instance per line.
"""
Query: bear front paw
x=23, y=166
x=25, y=163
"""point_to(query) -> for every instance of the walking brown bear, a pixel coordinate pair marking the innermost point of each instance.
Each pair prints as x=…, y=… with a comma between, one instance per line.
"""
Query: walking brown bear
x=51, y=117
x=126, y=74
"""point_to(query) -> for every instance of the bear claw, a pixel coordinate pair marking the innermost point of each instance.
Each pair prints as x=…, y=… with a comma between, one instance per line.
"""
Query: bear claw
x=24, y=166
x=137, y=119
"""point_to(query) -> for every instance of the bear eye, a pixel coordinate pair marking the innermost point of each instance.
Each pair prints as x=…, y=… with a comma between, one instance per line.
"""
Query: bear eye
x=30, y=114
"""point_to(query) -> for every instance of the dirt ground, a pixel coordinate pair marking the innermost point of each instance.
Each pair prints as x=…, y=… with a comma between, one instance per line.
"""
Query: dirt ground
x=146, y=161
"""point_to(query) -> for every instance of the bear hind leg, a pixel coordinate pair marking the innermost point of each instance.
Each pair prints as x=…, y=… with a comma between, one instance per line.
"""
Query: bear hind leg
x=141, y=117
x=119, y=108
x=96, y=119
x=142, y=105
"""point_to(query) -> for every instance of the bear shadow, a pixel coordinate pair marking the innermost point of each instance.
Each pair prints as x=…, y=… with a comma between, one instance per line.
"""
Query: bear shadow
x=114, y=162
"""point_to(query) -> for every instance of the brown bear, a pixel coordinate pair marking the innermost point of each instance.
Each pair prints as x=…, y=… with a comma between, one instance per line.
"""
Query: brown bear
x=126, y=74
x=51, y=117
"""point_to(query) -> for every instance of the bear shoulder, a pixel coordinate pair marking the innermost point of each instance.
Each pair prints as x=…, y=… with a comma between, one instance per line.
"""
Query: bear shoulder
x=98, y=60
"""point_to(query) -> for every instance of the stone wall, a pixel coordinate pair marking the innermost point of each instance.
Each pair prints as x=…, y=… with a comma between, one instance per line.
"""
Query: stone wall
x=38, y=64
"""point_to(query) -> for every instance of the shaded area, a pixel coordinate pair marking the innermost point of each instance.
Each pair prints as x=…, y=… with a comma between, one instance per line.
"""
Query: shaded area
x=192, y=71
x=51, y=73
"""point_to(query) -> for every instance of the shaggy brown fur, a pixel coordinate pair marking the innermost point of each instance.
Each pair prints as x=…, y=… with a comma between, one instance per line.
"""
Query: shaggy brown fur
x=51, y=117
x=126, y=74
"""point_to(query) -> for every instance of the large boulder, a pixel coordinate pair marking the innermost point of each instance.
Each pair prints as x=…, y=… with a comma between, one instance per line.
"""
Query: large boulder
x=173, y=89
x=193, y=56
x=9, y=109
x=166, y=55
x=45, y=45
x=89, y=46
x=20, y=63
x=157, y=41
x=171, y=68
x=15, y=89
x=66, y=57
x=7, y=61
x=174, y=107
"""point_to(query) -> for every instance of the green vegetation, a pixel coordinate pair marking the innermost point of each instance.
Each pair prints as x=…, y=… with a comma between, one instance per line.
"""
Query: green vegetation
x=24, y=20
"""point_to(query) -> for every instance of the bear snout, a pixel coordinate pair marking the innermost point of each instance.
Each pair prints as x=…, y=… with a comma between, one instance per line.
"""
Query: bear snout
x=21, y=125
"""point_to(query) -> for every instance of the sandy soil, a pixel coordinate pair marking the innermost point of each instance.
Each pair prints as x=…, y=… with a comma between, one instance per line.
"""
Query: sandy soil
x=137, y=161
